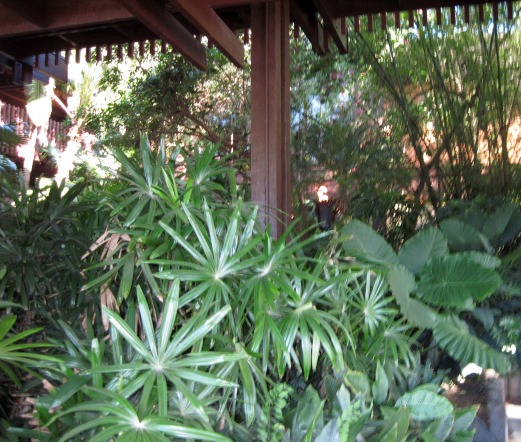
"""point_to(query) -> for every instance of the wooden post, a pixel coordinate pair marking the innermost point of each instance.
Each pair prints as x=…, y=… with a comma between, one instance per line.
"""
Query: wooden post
x=497, y=416
x=270, y=126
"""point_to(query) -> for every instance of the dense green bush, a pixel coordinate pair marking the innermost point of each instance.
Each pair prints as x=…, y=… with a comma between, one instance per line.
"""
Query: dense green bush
x=191, y=322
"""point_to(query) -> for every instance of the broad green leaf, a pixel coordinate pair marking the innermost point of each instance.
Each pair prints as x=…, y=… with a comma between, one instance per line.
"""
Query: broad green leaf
x=3, y=271
x=249, y=391
x=463, y=418
x=463, y=436
x=306, y=413
x=6, y=323
x=329, y=433
x=484, y=315
x=343, y=398
x=441, y=427
x=454, y=280
x=389, y=434
x=401, y=283
x=428, y=436
x=425, y=405
x=421, y=247
x=359, y=382
x=461, y=236
x=485, y=259
x=69, y=388
x=380, y=387
x=454, y=337
x=127, y=276
x=356, y=426
x=503, y=225
x=396, y=423
x=364, y=243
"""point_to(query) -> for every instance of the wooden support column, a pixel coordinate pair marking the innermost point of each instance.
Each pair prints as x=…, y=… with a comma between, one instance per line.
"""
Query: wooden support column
x=270, y=126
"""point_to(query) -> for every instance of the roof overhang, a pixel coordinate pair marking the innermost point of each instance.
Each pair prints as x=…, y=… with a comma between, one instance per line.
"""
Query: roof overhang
x=48, y=27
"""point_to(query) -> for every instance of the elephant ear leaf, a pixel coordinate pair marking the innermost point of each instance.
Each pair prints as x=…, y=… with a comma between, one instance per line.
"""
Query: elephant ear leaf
x=424, y=404
x=401, y=283
x=455, y=281
x=453, y=335
x=461, y=236
x=421, y=247
x=364, y=243
x=503, y=225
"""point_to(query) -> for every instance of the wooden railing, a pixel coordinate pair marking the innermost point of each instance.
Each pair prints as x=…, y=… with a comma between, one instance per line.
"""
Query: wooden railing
x=17, y=116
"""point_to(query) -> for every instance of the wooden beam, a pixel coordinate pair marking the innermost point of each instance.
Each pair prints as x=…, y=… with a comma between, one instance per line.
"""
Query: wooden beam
x=33, y=12
x=156, y=17
x=333, y=25
x=309, y=24
x=63, y=14
x=351, y=8
x=207, y=22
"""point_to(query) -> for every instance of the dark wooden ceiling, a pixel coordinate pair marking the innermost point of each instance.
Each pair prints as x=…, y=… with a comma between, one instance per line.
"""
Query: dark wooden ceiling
x=31, y=27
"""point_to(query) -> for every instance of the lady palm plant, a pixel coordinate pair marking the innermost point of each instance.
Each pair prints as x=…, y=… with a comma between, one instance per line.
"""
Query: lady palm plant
x=132, y=392
x=200, y=313
x=43, y=234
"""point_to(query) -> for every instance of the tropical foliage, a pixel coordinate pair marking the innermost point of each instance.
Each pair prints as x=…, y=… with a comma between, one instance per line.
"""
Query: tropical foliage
x=191, y=322
x=151, y=304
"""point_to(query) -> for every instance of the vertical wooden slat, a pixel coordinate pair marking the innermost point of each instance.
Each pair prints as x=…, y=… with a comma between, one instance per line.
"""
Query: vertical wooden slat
x=438, y=16
x=357, y=23
x=88, y=54
x=397, y=20
x=152, y=44
x=495, y=12
x=130, y=49
x=411, y=19
x=296, y=31
x=343, y=26
x=37, y=61
x=510, y=11
x=452, y=15
x=163, y=47
x=246, y=36
x=99, y=55
x=67, y=56
x=467, y=13
x=424, y=17
x=119, y=52
x=481, y=13
x=56, y=58
x=78, y=55
x=109, y=53
x=46, y=58
x=370, y=22
x=141, y=48
x=383, y=16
